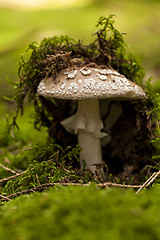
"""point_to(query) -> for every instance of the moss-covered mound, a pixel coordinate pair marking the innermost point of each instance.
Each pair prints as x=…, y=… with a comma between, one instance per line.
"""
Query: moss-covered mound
x=130, y=149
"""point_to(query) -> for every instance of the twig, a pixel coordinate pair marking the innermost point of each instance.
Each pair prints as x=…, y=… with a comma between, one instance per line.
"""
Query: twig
x=7, y=169
x=11, y=177
x=149, y=181
x=5, y=198
x=33, y=191
x=110, y=184
x=145, y=183
x=47, y=185
x=154, y=177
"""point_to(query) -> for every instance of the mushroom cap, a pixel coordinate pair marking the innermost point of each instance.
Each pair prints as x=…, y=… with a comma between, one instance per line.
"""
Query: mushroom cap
x=90, y=82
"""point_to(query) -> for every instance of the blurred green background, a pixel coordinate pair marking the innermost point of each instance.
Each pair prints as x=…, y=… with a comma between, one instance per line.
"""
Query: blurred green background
x=22, y=22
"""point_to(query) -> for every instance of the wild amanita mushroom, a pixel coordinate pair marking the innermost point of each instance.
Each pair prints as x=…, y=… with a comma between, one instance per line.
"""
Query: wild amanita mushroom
x=88, y=85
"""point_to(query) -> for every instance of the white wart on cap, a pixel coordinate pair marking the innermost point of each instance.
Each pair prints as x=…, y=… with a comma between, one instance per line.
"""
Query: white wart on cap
x=87, y=85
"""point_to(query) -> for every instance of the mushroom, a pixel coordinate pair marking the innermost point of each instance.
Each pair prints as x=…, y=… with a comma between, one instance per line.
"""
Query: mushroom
x=88, y=85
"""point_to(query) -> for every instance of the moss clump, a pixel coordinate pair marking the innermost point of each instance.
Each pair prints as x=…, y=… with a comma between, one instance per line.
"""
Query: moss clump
x=84, y=212
x=108, y=49
x=44, y=165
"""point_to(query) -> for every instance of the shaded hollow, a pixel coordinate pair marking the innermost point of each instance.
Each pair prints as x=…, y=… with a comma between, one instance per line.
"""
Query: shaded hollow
x=129, y=146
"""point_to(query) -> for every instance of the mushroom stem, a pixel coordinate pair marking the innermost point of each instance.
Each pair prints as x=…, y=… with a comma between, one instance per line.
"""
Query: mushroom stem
x=91, y=153
x=89, y=138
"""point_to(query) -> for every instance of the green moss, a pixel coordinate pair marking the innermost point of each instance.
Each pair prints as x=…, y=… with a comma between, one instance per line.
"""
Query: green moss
x=44, y=165
x=82, y=213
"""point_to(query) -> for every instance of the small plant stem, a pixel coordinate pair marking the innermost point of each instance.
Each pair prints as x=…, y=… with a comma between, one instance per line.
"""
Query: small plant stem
x=57, y=158
x=38, y=179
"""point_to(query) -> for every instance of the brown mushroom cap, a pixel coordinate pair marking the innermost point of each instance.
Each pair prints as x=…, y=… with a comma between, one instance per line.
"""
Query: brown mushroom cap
x=88, y=82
